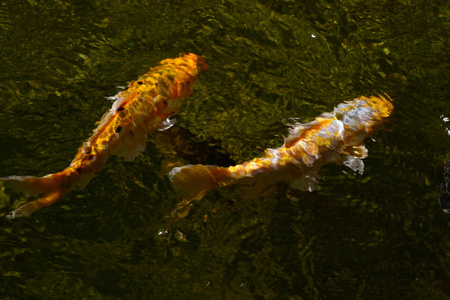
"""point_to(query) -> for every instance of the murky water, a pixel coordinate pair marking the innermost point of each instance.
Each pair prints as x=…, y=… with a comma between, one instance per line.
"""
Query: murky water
x=380, y=235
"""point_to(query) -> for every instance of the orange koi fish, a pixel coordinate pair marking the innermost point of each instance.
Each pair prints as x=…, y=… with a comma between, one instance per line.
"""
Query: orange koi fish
x=144, y=107
x=331, y=137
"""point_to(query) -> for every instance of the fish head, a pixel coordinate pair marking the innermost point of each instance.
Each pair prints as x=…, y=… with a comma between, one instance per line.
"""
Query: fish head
x=188, y=68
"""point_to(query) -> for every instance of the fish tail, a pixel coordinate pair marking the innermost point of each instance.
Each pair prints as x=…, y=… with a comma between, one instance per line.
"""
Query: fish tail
x=50, y=189
x=194, y=181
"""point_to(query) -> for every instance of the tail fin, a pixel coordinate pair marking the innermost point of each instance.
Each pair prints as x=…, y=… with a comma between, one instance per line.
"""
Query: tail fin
x=48, y=187
x=195, y=181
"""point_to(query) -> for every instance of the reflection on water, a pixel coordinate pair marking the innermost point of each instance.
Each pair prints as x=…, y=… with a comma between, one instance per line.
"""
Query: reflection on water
x=379, y=235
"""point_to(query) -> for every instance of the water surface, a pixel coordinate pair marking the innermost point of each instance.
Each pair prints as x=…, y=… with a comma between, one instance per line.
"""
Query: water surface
x=378, y=235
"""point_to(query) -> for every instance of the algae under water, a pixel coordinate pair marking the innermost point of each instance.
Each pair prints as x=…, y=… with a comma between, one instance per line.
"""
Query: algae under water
x=378, y=235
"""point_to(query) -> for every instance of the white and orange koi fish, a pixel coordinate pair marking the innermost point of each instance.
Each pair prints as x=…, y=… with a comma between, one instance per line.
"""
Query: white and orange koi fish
x=331, y=137
x=144, y=107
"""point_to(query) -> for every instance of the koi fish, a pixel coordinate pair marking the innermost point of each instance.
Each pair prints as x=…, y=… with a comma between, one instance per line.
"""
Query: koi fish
x=144, y=107
x=331, y=137
x=206, y=152
x=445, y=187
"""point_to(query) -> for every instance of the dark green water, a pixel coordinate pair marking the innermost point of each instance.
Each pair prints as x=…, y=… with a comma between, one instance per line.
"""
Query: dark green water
x=380, y=235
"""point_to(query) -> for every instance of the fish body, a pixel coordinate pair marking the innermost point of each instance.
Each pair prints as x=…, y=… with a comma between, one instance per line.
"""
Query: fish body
x=445, y=187
x=144, y=107
x=331, y=137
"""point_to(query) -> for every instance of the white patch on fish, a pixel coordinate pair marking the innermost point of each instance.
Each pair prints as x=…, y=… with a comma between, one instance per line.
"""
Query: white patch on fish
x=166, y=124
x=355, y=163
